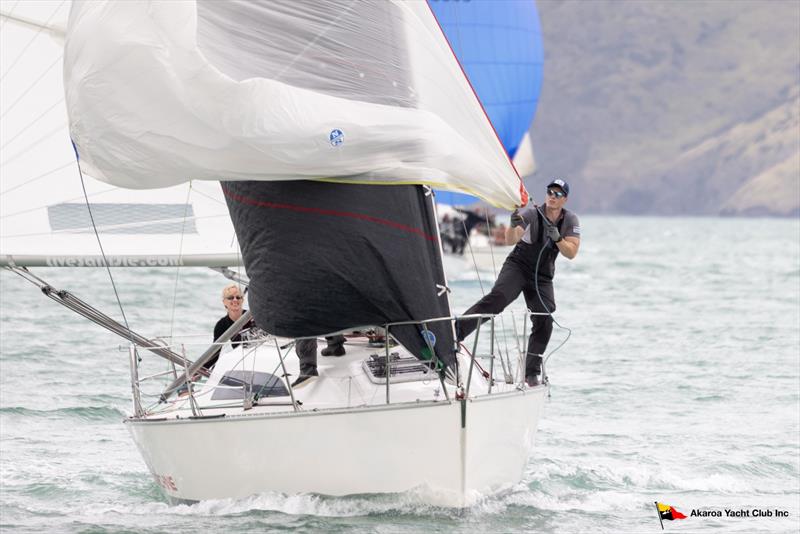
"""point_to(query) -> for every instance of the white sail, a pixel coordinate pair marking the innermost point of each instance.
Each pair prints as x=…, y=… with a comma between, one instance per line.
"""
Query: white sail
x=524, y=159
x=162, y=92
x=43, y=215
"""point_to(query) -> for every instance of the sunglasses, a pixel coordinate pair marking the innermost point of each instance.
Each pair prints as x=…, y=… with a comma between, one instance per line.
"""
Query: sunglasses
x=557, y=194
x=234, y=298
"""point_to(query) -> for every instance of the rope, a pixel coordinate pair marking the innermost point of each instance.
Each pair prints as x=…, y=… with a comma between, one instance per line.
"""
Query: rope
x=538, y=294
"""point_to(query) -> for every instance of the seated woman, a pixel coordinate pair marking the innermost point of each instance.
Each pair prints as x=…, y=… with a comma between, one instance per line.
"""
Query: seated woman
x=233, y=301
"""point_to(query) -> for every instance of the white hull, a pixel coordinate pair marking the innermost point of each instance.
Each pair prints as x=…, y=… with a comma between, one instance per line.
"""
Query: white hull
x=344, y=439
x=362, y=450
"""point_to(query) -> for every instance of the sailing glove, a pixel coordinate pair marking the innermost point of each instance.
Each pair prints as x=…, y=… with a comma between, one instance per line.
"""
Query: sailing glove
x=516, y=219
x=552, y=232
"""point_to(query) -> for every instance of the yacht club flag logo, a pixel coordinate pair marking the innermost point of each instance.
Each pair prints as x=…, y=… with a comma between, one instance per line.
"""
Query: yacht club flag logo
x=667, y=512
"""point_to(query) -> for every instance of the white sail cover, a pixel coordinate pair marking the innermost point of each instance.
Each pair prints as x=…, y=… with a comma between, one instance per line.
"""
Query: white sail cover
x=44, y=219
x=159, y=93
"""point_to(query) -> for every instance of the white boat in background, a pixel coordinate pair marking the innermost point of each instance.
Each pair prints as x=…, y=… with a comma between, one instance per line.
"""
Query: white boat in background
x=272, y=97
x=480, y=258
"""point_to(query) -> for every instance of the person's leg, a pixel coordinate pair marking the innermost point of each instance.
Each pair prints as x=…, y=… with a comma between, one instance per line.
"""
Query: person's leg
x=306, y=350
x=335, y=346
x=509, y=283
x=542, y=302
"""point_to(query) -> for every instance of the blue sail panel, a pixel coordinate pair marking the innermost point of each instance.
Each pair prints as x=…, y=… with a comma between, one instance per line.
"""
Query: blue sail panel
x=499, y=46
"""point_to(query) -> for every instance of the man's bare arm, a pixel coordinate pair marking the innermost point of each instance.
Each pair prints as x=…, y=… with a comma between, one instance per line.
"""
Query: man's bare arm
x=514, y=234
x=569, y=246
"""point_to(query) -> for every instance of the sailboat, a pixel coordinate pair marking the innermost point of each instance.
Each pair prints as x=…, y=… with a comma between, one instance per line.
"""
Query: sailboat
x=324, y=128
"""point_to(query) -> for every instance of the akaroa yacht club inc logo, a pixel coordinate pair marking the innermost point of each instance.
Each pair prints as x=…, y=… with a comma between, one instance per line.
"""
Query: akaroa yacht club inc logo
x=670, y=513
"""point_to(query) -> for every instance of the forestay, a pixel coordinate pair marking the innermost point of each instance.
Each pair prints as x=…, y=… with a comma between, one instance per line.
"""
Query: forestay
x=162, y=92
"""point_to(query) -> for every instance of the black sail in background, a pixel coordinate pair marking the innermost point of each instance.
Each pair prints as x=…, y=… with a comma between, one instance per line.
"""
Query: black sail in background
x=325, y=257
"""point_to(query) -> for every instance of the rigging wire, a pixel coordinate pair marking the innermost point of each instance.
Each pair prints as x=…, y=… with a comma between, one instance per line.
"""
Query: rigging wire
x=34, y=121
x=46, y=136
x=7, y=16
x=197, y=191
x=180, y=260
x=31, y=86
x=494, y=271
x=474, y=261
x=25, y=48
x=455, y=12
x=51, y=171
x=65, y=201
x=99, y=242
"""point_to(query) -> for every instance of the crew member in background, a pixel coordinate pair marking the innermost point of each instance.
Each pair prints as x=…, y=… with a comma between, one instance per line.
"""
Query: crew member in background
x=499, y=235
x=463, y=227
x=540, y=235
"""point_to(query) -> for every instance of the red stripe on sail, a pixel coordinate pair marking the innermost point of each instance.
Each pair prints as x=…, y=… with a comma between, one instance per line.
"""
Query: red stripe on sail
x=332, y=213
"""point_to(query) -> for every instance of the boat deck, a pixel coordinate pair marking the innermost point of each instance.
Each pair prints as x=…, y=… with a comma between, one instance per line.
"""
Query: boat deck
x=250, y=380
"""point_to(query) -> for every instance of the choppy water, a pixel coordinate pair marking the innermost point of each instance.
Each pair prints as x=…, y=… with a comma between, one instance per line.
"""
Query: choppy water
x=681, y=383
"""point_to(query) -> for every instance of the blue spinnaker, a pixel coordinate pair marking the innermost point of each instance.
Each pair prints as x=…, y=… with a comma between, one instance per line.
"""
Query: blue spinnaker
x=499, y=46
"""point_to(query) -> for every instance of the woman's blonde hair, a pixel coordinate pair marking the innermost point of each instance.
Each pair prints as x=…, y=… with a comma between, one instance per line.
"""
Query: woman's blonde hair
x=228, y=288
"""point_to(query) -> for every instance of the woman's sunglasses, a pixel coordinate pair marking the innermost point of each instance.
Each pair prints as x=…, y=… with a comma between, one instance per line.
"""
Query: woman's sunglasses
x=234, y=297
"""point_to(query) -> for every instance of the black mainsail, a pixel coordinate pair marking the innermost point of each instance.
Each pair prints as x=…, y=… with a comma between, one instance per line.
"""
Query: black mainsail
x=325, y=257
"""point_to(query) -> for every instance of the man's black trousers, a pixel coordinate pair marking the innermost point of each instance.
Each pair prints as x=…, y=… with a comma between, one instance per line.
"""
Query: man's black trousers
x=517, y=276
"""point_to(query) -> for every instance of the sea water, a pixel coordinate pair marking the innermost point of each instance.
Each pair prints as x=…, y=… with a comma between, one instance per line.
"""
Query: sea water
x=680, y=383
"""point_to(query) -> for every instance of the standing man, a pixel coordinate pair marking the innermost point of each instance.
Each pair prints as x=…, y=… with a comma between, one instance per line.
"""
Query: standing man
x=540, y=235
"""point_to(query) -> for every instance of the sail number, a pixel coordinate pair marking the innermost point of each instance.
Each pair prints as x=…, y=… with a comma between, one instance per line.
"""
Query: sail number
x=165, y=482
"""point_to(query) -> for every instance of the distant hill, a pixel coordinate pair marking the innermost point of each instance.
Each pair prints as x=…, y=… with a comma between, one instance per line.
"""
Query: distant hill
x=671, y=107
